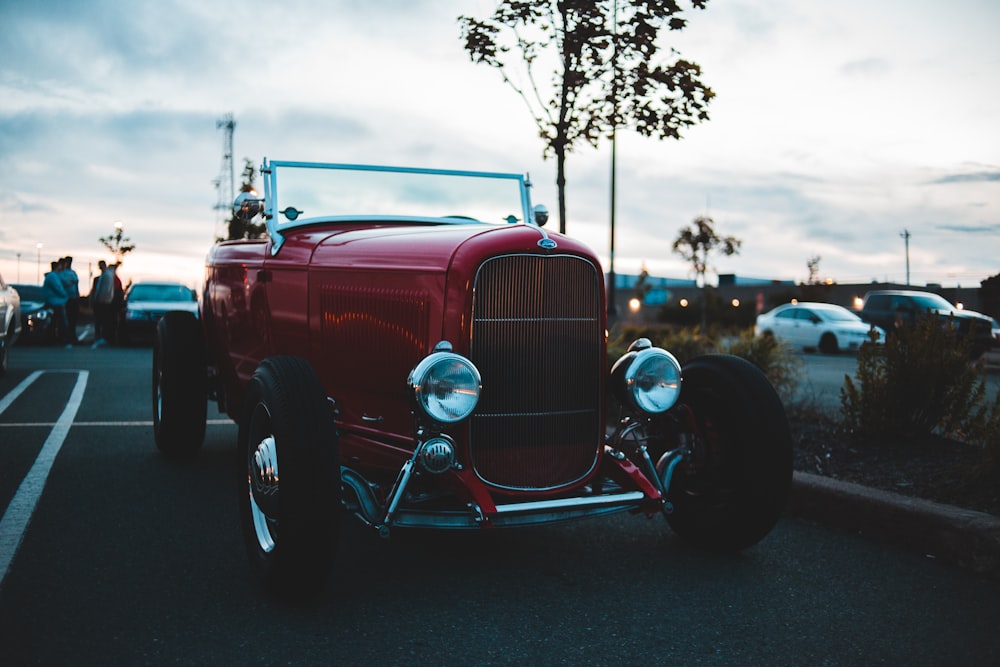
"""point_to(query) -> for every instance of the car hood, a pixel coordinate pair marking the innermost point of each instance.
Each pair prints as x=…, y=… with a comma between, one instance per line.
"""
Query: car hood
x=31, y=306
x=433, y=247
x=843, y=325
x=190, y=306
x=962, y=314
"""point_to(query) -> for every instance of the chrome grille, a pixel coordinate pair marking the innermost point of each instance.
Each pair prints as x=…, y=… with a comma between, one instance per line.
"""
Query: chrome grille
x=536, y=339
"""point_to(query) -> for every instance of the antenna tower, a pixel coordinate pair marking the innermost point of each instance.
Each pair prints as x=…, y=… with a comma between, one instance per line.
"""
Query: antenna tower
x=225, y=198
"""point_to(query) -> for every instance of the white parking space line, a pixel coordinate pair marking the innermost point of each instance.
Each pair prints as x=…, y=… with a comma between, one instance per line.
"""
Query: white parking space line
x=208, y=422
x=15, y=520
x=17, y=391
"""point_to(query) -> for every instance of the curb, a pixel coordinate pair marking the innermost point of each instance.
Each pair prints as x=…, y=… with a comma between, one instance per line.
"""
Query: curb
x=961, y=537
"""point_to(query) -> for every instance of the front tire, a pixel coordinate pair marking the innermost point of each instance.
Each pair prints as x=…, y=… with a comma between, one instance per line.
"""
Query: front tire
x=738, y=481
x=180, y=385
x=290, y=521
x=5, y=343
x=828, y=344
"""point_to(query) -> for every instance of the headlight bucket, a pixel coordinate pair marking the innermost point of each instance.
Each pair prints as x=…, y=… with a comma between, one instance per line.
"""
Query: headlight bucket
x=647, y=379
x=445, y=385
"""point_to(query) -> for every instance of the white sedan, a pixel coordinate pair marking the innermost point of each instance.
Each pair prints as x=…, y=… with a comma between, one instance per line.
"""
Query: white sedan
x=825, y=326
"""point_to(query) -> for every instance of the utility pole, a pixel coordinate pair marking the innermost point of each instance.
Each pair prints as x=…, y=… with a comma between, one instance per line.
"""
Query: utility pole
x=225, y=201
x=612, y=305
x=906, y=240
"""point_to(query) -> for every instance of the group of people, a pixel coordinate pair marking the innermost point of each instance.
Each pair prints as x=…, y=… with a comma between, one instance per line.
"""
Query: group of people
x=62, y=295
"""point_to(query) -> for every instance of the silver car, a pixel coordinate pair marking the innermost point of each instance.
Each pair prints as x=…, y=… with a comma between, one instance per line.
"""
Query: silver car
x=823, y=326
x=10, y=321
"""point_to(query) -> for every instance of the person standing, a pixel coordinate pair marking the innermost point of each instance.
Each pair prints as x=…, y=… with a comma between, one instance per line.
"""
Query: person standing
x=117, y=303
x=71, y=282
x=101, y=295
x=55, y=298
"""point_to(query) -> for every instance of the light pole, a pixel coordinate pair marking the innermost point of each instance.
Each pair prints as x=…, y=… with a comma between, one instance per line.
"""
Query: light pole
x=18, y=267
x=38, y=267
x=906, y=239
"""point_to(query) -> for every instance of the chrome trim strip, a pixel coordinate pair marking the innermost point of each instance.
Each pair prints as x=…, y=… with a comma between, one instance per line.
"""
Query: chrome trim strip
x=522, y=514
x=563, y=503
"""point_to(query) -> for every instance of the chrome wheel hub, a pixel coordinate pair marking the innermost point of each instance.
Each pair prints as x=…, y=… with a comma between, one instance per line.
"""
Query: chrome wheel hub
x=263, y=490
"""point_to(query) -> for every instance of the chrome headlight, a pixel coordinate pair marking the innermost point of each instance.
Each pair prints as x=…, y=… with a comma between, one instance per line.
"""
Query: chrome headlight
x=646, y=378
x=445, y=385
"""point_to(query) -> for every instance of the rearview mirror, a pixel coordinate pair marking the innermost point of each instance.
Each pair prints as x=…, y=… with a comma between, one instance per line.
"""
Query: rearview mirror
x=541, y=215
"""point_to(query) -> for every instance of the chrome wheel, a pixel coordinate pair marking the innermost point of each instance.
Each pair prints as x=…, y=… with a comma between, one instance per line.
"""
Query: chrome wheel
x=262, y=482
x=290, y=521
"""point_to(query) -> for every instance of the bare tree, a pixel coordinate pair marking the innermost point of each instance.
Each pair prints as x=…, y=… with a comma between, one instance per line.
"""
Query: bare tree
x=695, y=244
x=117, y=243
x=813, y=265
x=606, y=73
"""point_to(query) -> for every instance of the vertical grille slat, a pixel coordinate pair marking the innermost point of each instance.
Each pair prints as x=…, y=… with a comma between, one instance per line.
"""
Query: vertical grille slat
x=536, y=339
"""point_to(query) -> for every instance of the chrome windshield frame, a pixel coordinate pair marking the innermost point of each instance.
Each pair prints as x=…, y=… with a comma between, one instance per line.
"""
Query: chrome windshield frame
x=269, y=173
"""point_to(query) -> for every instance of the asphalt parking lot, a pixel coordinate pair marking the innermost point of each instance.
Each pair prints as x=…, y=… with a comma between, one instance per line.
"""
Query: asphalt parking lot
x=138, y=560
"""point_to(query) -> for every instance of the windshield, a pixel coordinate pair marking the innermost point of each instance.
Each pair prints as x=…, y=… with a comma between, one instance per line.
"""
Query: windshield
x=932, y=301
x=147, y=292
x=298, y=192
x=838, y=315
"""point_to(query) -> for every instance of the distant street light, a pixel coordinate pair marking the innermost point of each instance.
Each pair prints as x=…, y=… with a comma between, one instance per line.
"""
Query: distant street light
x=38, y=269
x=906, y=238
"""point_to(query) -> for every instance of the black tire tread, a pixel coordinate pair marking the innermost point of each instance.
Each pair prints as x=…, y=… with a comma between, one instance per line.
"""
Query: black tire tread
x=180, y=359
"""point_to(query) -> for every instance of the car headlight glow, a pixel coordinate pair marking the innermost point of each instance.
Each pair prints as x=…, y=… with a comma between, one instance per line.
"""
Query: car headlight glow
x=445, y=386
x=647, y=379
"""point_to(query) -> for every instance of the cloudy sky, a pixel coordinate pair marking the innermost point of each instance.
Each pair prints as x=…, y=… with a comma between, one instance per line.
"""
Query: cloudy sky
x=837, y=126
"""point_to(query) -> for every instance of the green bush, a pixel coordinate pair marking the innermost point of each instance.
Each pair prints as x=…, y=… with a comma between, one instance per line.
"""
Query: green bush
x=684, y=343
x=773, y=357
x=920, y=382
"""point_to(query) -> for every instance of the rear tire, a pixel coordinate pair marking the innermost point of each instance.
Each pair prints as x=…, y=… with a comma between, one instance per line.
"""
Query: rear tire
x=290, y=530
x=737, y=485
x=828, y=344
x=5, y=343
x=180, y=381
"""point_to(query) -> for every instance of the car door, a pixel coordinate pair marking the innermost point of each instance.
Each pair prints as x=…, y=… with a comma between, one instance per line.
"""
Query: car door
x=784, y=325
x=807, y=327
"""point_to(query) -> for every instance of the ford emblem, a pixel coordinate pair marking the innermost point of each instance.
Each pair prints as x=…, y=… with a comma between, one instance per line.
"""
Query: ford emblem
x=547, y=244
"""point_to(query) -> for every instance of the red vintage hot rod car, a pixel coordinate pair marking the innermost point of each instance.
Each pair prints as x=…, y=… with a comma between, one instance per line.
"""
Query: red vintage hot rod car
x=411, y=347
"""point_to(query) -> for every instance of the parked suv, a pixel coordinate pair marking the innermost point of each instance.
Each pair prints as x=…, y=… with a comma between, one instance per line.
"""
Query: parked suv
x=891, y=309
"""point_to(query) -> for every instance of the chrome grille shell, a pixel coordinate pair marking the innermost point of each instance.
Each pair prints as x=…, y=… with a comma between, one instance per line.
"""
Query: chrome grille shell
x=538, y=341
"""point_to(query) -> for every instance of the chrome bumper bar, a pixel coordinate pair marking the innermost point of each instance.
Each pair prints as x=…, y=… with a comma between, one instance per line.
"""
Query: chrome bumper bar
x=368, y=509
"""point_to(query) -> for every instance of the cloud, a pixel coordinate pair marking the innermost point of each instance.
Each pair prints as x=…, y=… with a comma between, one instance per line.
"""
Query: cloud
x=866, y=67
x=978, y=177
x=986, y=228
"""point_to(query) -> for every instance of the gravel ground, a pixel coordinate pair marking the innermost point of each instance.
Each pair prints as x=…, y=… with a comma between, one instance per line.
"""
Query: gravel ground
x=933, y=468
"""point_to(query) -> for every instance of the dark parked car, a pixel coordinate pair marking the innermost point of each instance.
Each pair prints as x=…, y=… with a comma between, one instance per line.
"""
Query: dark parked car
x=10, y=321
x=892, y=309
x=410, y=348
x=36, y=317
x=147, y=302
